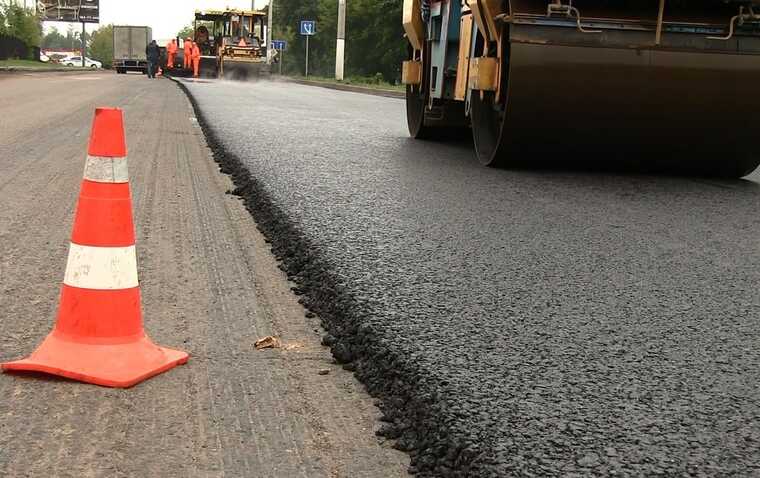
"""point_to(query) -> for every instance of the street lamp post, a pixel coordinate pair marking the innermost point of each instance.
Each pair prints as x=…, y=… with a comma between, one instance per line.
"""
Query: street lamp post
x=270, y=33
x=268, y=37
x=83, y=39
x=340, y=47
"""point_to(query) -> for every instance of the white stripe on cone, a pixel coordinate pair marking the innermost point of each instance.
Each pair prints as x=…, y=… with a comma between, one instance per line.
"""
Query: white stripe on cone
x=103, y=268
x=106, y=170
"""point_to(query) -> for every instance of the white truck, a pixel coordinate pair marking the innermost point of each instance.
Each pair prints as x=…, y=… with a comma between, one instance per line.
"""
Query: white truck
x=129, y=43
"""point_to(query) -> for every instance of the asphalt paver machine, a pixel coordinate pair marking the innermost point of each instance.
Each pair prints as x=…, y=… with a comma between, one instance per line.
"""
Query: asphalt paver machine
x=660, y=79
x=232, y=43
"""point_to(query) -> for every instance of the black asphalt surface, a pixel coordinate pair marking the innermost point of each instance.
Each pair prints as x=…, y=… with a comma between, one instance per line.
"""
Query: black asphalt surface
x=554, y=321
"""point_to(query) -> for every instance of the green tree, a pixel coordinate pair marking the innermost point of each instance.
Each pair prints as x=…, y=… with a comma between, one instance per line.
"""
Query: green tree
x=187, y=31
x=21, y=23
x=287, y=17
x=3, y=27
x=374, y=36
x=54, y=40
x=101, y=45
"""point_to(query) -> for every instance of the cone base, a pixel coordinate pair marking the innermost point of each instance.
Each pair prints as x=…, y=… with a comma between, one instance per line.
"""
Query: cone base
x=108, y=365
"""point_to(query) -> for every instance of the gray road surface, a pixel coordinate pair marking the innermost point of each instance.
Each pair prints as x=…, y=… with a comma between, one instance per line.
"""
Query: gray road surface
x=210, y=286
x=556, y=321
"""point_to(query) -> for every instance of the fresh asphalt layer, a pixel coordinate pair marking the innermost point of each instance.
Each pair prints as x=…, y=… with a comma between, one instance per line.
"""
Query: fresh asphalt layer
x=549, y=321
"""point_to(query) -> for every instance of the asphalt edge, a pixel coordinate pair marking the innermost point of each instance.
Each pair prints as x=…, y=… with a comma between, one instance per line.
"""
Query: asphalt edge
x=352, y=88
x=412, y=408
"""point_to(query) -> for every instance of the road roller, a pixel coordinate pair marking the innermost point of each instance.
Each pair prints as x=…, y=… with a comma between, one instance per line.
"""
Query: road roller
x=671, y=81
x=233, y=43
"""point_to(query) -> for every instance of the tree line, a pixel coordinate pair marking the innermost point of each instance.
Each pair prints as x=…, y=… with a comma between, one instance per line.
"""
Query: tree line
x=25, y=25
x=375, y=46
x=374, y=37
x=20, y=23
x=99, y=44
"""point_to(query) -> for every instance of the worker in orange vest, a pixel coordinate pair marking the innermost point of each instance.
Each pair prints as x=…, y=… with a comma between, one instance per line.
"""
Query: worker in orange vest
x=171, y=53
x=196, y=55
x=188, y=53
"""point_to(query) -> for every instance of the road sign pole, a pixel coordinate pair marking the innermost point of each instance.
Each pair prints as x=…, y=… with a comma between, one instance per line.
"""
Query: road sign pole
x=282, y=59
x=308, y=28
x=340, y=48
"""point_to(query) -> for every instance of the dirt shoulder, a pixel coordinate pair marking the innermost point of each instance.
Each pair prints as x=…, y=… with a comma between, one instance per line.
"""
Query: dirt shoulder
x=210, y=286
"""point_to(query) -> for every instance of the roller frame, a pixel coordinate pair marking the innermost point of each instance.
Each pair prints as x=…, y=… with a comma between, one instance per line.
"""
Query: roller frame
x=659, y=92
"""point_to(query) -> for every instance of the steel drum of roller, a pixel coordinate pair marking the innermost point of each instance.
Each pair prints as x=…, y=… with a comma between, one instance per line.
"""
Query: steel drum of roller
x=664, y=80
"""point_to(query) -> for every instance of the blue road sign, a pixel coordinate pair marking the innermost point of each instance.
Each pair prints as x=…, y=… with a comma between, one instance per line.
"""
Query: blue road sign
x=308, y=27
x=279, y=45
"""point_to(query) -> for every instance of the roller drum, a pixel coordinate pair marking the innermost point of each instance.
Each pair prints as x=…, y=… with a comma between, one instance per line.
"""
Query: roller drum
x=568, y=93
x=244, y=70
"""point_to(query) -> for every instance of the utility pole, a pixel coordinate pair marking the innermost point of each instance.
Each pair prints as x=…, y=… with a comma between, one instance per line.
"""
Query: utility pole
x=270, y=32
x=268, y=37
x=83, y=38
x=340, y=48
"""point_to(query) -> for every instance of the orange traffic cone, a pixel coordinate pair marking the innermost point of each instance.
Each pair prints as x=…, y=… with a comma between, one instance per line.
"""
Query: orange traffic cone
x=98, y=337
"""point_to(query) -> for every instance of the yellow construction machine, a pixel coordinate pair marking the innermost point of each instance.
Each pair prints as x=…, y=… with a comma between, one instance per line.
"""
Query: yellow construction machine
x=233, y=43
x=658, y=79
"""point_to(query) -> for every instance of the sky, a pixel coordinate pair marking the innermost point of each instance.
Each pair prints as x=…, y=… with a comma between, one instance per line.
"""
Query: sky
x=165, y=17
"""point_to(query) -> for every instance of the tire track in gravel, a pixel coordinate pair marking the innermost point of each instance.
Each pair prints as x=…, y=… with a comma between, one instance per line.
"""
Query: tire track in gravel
x=164, y=416
x=57, y=129
x=325, y=435
x=207, y=439
x=198, y=390
x=223, y=397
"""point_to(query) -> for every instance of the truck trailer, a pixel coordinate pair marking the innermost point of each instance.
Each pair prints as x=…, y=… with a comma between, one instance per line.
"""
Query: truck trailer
x=666, y=80
x=129, y=44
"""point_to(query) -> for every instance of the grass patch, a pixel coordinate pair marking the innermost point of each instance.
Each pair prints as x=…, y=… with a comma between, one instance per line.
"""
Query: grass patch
x=32, y=65
x=376, y=83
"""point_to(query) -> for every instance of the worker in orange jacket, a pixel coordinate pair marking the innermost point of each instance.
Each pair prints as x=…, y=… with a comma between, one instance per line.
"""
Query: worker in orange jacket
x=171, y=53
x=196, y=55
x=188, y=63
